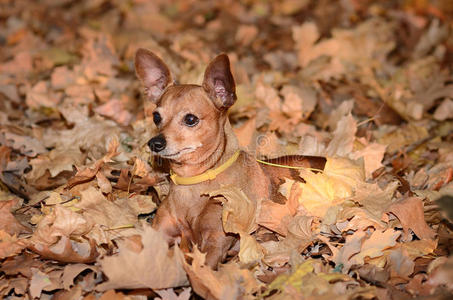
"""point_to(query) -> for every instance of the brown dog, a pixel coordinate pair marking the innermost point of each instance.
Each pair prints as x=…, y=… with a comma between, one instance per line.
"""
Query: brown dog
x=197, y=139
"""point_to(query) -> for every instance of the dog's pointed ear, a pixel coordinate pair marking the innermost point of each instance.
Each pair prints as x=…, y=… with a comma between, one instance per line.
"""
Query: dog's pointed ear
x=219, y=83
x=152, y=72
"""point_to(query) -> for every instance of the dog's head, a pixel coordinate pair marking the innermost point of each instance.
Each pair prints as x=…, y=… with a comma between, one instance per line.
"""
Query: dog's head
x=190, y=118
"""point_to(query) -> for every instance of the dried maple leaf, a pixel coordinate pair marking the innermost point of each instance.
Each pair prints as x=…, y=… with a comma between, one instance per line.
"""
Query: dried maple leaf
x=373, y=199
x=333, y=185
x=298, y=102
x=275, y=216
x=155, y=266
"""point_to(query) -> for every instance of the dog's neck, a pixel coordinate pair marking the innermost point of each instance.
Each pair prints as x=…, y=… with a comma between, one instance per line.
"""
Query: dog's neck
x=224, y=148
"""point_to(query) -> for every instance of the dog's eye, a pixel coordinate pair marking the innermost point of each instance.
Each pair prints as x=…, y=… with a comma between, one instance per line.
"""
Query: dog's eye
x=191, y=120
x=156, y=118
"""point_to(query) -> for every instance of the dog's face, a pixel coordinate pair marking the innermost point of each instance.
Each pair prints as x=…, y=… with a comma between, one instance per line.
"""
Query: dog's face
x=190, y=118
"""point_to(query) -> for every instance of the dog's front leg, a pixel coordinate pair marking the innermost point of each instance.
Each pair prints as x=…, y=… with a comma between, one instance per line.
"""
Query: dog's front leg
x=210, y=235
x=166, y=223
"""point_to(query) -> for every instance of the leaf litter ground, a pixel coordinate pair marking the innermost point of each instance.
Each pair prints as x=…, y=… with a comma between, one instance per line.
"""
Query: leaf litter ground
x=365, y=83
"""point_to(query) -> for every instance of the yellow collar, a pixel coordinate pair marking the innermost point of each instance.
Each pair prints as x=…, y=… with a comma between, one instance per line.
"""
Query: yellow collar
x=208, y=175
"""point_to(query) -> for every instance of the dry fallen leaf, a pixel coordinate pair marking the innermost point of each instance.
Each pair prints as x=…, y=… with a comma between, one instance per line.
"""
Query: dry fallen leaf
x=155, y=266
x=229, y=282
x=8, y=223
x=338, y=181
x=410, y=213
x=10, y=245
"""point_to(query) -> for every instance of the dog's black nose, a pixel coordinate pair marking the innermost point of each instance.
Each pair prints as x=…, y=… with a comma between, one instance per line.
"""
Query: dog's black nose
x=157, y=143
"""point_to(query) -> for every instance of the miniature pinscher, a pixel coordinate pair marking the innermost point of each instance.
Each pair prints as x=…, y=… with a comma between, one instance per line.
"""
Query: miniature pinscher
x=196, y=137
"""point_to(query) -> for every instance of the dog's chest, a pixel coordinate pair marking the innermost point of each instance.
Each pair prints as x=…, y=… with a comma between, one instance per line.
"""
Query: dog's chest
x=245, y=175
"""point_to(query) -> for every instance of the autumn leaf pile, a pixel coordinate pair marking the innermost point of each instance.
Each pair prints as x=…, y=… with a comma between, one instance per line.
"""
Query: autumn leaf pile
x=368, y=84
